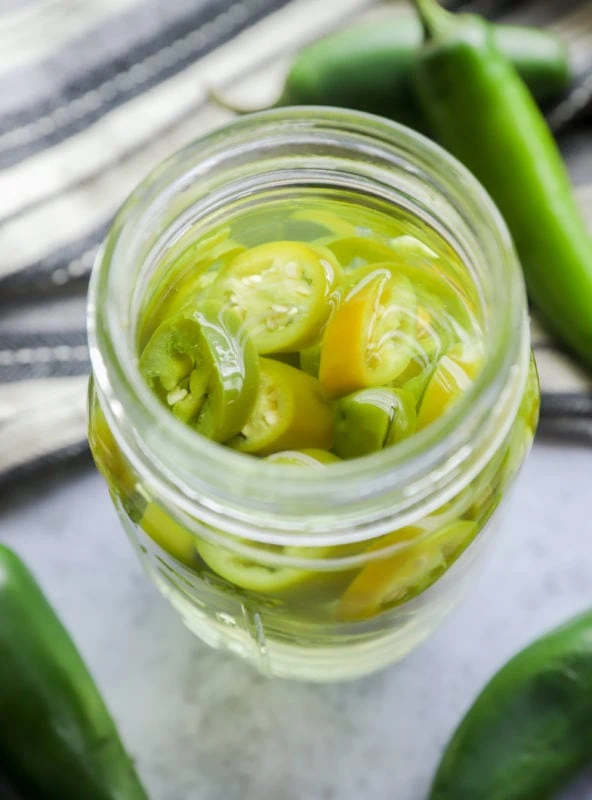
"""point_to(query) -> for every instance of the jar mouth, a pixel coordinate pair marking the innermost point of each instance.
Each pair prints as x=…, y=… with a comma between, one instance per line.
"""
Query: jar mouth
x=184, y=468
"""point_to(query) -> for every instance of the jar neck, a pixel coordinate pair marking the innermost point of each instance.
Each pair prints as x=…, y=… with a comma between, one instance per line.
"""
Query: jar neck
x=202, y=186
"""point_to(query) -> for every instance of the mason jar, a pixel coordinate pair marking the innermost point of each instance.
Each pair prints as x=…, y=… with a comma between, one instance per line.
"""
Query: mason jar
x=323, y=574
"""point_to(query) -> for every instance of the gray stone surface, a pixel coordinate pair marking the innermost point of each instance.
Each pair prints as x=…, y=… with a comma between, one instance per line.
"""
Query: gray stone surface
x=203, y=726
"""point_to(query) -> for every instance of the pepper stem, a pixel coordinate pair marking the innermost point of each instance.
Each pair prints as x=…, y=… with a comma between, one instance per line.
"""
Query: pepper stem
x=435, y=20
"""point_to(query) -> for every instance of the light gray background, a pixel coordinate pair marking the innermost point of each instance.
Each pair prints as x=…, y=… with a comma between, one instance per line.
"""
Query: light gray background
x=203, y=726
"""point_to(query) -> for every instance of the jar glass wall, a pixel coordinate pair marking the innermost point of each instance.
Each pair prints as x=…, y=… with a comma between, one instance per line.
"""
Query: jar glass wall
x=329, y=574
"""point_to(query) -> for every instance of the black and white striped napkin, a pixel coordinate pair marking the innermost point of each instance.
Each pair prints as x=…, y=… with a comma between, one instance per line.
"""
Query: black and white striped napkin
x=93, y=95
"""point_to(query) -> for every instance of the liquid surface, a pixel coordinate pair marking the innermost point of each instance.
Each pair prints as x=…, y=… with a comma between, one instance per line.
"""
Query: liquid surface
x=317, y=326
x=305, y=333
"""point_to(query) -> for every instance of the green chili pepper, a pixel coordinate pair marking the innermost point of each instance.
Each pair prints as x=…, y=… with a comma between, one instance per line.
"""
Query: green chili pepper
x=291, y=412
x=203, y=366
x=529, y=730
x=368, y=67
x=371, y=419
x=57, y=740
x=483, y=113
x=362, y=422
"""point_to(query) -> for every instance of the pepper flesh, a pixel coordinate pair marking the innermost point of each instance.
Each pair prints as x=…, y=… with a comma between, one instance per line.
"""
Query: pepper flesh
x=452, y=377
x=376, y=319
x=390, y=578
x=291, y=412
x=203, y=366
x=57, y=739
x=280, y=291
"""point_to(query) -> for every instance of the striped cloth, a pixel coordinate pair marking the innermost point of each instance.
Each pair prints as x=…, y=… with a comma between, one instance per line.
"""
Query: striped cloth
x=93, y=95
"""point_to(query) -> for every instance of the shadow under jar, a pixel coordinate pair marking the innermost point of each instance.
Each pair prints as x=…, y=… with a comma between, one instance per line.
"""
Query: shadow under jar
x=337, y=570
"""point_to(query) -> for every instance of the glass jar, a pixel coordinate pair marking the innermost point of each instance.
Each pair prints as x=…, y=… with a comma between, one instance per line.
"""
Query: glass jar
x=325, y=577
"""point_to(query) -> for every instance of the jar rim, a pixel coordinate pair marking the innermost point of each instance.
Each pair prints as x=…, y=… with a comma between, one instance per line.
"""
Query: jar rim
x=224, y=483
